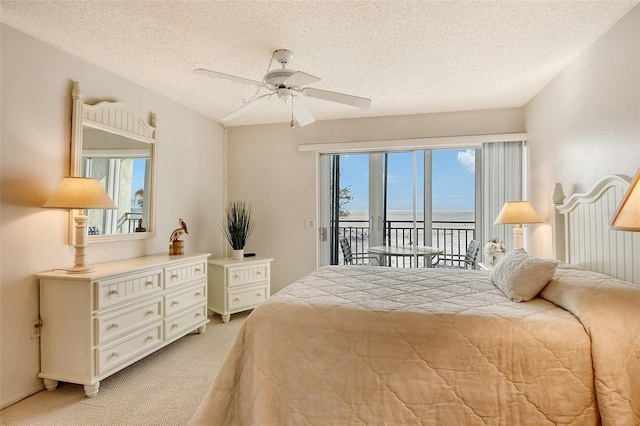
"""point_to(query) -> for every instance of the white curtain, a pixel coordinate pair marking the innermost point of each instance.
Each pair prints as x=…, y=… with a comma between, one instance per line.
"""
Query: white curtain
x=502, y=181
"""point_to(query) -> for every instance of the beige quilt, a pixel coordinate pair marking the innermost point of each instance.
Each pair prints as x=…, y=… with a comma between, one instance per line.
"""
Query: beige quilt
x=609, y=309
x=385, y=346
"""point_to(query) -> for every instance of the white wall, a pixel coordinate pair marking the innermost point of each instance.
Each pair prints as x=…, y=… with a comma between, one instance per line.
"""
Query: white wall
x=266, y=169
x=35, y=131
x=586, y=122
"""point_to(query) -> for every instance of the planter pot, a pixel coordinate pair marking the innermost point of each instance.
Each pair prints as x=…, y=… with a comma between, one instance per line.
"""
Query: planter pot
x=237, y=254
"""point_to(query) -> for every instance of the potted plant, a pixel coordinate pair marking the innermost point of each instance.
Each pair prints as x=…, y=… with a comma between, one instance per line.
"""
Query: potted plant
x=237, y=226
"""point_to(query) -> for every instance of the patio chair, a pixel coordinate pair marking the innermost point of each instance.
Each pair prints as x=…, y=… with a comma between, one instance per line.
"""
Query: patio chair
x=457, y=261
x=350, y=258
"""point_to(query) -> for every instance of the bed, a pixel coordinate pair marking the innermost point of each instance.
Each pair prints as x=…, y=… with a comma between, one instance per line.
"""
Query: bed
x=376, y=345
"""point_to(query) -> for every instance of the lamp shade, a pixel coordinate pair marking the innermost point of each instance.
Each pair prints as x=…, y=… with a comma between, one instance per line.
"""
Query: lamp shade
x=517, y=212
x=79, y=193
x=627, y=217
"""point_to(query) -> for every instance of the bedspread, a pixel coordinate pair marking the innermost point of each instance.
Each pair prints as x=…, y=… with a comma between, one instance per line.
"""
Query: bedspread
x=375, y=345
x=609, y=309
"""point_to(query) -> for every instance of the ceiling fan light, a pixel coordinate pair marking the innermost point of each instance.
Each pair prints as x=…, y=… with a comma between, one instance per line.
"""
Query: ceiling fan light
x=284, y=93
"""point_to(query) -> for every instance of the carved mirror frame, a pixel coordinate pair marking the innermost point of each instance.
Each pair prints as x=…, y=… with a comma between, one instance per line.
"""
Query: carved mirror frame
x=119, y=119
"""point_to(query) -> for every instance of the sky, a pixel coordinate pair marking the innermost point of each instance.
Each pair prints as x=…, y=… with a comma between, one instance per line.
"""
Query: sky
x=139, y=165
x=453, y=179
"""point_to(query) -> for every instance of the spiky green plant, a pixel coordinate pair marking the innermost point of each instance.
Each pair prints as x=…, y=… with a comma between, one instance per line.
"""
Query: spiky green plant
x=237, y=225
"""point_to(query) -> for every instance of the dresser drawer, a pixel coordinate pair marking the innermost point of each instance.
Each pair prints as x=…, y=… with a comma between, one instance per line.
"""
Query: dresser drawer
x=120, y=289
x=178, y=301
x=247, y=297
x=126, y=349
x=182, y=322
x=247, y=275
x=176, y=275
x=119, y=323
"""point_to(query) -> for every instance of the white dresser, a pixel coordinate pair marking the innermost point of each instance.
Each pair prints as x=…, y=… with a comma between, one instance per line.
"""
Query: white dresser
x=95, y=324
x=238, y=285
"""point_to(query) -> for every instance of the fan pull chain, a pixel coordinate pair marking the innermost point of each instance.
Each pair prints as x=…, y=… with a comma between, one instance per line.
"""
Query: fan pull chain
x=292, y=124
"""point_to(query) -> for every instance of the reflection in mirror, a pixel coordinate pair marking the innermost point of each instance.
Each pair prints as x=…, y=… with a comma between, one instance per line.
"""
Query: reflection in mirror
x=113, y=144
x=122, y=165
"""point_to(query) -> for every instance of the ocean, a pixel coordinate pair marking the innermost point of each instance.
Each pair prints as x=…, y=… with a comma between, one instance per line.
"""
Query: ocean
x=438, y=215
x=466, y=216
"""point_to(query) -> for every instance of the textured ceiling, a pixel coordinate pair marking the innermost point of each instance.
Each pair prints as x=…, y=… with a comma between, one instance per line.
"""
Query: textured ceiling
x=408, y=57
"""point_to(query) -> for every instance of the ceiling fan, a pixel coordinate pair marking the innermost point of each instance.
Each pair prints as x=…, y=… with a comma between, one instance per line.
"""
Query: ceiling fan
x=287, y=84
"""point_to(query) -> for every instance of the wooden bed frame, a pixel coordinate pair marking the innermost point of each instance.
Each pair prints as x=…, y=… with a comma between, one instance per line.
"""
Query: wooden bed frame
x=582, y=234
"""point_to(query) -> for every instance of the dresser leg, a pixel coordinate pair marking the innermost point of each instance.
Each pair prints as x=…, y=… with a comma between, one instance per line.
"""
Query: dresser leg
x=225, y=318
x=50, y=384
x=91, y=390
x=202, y=329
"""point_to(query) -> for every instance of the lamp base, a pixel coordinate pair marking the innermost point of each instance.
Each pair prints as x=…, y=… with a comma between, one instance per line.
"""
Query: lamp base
x=80, y=269
x=517, y=237
x=80, y=265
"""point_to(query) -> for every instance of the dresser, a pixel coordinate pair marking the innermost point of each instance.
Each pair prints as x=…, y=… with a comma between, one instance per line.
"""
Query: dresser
x=238, y=285
x=95, y=324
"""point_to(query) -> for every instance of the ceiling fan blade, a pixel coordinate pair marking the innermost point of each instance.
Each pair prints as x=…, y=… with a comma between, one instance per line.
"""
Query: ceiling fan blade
x=301, y=113
x=341, y=98
x=299, y=79
x=216, y=74
x=244, y=108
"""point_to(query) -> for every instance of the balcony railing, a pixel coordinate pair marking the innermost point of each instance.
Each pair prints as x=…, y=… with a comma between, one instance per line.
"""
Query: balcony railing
x=452, y=237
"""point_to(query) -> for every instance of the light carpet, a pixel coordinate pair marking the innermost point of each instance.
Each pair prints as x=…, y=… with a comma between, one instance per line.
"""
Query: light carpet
x=165, y=388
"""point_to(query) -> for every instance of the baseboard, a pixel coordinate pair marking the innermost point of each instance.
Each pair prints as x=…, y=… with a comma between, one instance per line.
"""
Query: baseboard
x=23, y=395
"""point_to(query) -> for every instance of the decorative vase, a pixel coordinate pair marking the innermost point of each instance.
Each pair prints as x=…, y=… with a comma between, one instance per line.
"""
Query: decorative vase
x=237, y=254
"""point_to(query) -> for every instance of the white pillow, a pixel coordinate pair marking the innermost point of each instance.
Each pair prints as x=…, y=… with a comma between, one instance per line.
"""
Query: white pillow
x=520, y=276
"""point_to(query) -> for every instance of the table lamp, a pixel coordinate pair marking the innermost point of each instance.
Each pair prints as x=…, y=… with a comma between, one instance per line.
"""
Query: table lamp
x=517, y=213
x=627, y=218
x=80, y=193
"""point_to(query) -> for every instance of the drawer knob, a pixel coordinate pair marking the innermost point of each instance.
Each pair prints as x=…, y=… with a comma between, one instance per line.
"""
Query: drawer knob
x=148, y=283
x=197, y=269
x=198, y=314
x=237, y=276
x=259, y=273
x=149, y=337
x=150, y=312
x=174, y=326
x=258, y=294
x=175, y=302
x=174, y=276
x=115, y=325
x=113, y=292
x=115, y=354
x=235, y=299
x=198, y=294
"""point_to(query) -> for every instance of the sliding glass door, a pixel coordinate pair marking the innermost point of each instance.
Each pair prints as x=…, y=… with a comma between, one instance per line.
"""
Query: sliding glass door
x=420, y=197
x=345, y=206
x=455, y=193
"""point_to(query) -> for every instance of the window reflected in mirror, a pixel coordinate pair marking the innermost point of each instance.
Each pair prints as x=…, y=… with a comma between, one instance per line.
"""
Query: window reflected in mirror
x=123, y=167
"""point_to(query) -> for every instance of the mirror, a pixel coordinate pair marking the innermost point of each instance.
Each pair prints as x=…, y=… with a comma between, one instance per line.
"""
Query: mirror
x=114, y=145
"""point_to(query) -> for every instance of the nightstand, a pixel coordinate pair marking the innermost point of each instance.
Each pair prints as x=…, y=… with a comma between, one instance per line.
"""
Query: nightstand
x=237, y=285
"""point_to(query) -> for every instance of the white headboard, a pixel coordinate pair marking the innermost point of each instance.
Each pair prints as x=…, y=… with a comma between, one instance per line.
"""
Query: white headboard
x=582, y=234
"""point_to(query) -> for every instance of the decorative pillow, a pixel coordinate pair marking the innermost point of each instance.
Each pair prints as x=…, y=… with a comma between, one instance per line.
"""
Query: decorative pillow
x=520, y=276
